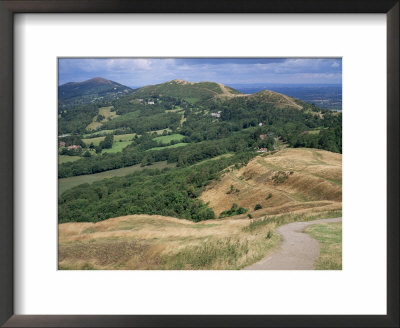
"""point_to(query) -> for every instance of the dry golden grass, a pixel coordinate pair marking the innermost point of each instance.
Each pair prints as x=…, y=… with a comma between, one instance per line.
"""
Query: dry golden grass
x=291, y=179
x=142, y=242
x=311, y=191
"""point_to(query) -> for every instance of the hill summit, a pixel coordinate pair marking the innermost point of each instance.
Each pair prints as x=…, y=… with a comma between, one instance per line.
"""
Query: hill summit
x=191, y=91
x=90, y=90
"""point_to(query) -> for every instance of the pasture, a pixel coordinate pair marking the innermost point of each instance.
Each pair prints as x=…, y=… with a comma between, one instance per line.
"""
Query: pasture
x=65, y=159
x=169, y=138
x=106, y=113
x=117, y=147
x=181, y=144
x=68, y=183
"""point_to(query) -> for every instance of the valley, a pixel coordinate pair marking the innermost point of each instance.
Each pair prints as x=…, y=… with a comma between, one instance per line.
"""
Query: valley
x=188, y=175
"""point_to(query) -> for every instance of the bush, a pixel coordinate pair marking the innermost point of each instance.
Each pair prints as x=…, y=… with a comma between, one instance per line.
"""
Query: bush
x=258, y=207
x=235, y=210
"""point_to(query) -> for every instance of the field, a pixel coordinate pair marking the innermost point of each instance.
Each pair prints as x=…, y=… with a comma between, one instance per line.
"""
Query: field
x=124, y=137
x=96, y=141
x=117, y=146
x=66, y=158
x=169, y=138
x=330, y=237
x=170, y=146
x=100, y=133
x=108, y=115
x=127, y=116
x=68, y=183
x=290, y=185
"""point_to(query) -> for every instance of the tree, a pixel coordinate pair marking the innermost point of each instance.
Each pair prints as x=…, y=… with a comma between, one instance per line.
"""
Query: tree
x=107, y=142
x=100, y=118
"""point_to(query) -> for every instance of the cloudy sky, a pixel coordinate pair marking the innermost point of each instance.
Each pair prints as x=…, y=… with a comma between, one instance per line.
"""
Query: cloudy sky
x=136, y=72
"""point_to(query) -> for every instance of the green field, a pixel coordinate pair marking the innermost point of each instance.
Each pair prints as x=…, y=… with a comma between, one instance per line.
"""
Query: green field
x=108, y=115
x=124, y=137
x=171, y=146
x=127, y=116
x=96, y=141
x=66, y=158
x=313, y=132
x=100, y=133
x=117, y=146
x=68, y=183
x=168, y=139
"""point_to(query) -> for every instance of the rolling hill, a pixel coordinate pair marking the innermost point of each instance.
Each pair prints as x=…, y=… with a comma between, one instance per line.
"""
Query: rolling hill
x=90, y=90
x=291, y=185
x=190, y=91
x=289, y=180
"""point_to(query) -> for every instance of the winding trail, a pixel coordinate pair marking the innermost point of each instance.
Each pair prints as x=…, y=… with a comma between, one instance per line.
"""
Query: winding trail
x=298, y=250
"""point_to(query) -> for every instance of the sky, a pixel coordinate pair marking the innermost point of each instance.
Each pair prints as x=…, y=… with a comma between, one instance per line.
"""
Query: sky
x=137, y=72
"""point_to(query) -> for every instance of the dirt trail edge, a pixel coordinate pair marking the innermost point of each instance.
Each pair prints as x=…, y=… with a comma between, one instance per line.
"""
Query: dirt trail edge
x=298, y=250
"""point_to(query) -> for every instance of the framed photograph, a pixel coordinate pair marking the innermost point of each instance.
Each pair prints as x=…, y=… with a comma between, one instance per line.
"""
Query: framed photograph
x=204, y=164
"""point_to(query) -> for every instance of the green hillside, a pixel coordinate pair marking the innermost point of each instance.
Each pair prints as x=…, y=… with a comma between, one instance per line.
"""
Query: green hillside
x=96, y=89
x=183, y=124
x=189, y=91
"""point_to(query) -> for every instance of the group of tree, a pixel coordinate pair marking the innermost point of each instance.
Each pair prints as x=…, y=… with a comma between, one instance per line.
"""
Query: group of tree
x=170, y=192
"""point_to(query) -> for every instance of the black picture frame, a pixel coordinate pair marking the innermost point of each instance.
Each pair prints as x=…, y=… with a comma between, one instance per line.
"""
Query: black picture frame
x=10, y=7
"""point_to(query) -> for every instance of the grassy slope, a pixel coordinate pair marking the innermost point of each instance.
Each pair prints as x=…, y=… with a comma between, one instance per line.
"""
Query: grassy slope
x=170, y=146
x=108, y=115
x=191, y=92
x=117, y=146
x=158, y=242
x=66, y=158
x=117, y=137
x=169, y=138
x=68, y=183
x=330, y=237
x=288, y=180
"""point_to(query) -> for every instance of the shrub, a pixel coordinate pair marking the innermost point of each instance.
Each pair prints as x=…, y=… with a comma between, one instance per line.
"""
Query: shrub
x=258, y=207
x=235, y=210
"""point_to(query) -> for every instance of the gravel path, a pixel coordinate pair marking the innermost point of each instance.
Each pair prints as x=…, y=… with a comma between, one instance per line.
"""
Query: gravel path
x=298, y=250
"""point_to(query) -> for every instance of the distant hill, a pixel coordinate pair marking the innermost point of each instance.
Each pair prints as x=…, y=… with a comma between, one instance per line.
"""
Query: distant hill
x=277, y=99
x=189, y=91
x=93, y=90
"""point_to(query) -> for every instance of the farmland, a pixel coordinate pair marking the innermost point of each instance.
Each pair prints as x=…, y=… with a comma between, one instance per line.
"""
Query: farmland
x=167, y=139
x=68, y=183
